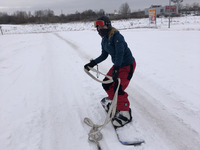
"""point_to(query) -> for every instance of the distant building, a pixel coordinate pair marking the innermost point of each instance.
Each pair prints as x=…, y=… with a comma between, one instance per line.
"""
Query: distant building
x=159, y=10
x=162, y=10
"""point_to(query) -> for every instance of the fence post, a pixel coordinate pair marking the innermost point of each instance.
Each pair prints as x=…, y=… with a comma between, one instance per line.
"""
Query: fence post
x=1, y=30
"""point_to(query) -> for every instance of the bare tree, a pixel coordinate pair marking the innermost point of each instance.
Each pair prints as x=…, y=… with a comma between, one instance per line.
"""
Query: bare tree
x=124, y=9
x=101, y=12
x=196, y=8
x=20, y=16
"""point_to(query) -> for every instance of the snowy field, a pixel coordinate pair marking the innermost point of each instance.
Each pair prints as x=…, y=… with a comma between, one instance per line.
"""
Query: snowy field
x=45, y=94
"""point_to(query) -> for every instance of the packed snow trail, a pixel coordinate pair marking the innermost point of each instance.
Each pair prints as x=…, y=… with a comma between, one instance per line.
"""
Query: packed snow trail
x=173, y=132
x=45, y=95
x=39, y=101
x=172, y=129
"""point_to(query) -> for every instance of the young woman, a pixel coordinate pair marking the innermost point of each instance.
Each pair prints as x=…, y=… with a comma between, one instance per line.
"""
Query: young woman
x=124, y=64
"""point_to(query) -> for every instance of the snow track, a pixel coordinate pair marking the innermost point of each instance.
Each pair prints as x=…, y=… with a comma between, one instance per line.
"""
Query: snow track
x=157, y=120
x=45, y=95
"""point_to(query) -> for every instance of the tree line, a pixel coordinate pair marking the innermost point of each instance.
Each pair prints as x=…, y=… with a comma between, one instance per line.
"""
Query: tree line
x=48, y=16
x=190, y=9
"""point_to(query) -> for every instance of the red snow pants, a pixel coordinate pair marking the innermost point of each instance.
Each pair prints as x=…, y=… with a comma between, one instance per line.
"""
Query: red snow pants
x=125, y=74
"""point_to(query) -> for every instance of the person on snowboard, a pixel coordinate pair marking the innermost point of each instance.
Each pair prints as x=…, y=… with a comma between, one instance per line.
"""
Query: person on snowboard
x=113, y=44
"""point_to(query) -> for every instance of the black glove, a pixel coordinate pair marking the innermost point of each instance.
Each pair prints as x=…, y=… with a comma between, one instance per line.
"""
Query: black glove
x=115, y=74
x=91, y=64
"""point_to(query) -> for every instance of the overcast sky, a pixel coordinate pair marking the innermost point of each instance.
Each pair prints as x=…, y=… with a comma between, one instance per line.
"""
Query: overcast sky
x=71, y=6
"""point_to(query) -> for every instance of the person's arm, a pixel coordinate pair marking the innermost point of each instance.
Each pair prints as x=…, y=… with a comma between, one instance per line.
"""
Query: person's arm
x=102, y=57
x=99, y=59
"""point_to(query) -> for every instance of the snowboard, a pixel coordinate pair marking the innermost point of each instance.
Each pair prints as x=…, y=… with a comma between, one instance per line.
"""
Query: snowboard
x=124, y=133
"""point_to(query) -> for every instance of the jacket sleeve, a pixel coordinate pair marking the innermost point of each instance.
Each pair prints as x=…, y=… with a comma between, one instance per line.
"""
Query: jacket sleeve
x=102, y=57
x=119, y=49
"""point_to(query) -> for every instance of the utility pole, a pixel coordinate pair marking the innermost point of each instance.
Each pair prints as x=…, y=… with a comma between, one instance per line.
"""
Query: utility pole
x=177, y=7
x=169, y=13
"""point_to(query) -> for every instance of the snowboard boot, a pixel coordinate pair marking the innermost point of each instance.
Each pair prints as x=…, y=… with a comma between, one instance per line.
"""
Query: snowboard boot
x=106, y=103
x=121, y=118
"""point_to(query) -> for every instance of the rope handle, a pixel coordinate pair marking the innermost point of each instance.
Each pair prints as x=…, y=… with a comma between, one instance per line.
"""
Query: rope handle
x=95, y=135
x=114, y=102
x=93, y=77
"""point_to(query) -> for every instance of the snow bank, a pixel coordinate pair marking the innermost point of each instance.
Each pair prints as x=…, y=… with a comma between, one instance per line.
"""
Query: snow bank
x=178, y=23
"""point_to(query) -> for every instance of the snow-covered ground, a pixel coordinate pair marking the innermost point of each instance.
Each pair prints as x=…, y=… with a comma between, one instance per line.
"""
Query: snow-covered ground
x=45, y=94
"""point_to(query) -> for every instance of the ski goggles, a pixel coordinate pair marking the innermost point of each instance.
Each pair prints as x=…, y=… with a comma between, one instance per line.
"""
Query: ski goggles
x=99, y=23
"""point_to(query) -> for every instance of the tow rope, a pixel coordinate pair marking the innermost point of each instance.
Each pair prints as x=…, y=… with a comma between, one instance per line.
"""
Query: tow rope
x=95, y=135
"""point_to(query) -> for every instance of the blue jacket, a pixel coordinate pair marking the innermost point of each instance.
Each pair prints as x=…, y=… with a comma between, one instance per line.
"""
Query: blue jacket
x=117, y=48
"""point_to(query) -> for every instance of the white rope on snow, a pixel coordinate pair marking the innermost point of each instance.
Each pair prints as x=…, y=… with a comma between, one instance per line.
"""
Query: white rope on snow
x=95, y=135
